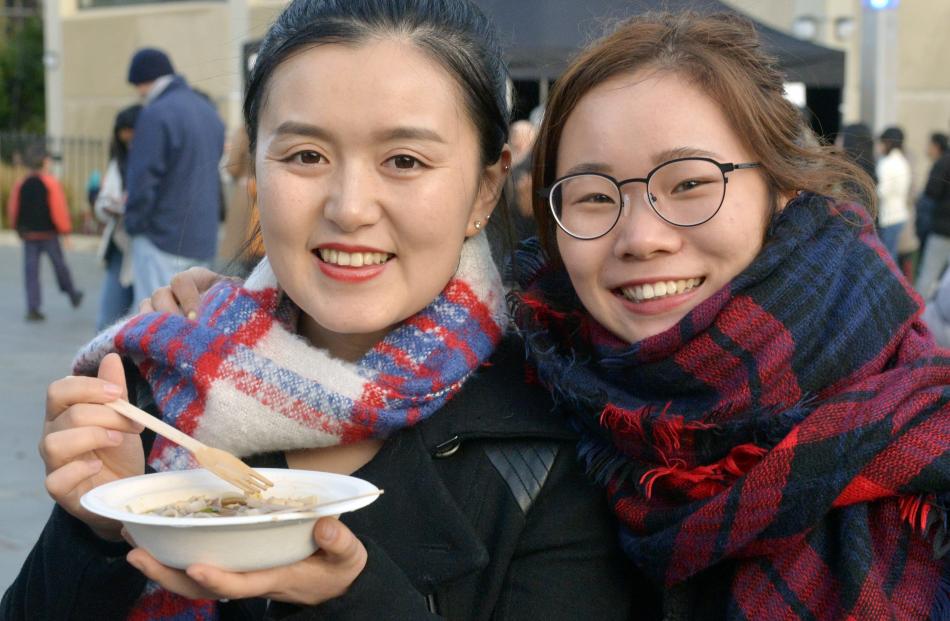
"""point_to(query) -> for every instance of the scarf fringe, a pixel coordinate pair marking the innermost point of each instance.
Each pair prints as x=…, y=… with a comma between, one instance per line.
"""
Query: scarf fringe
x=699, y=482
x=530, y=258
x=927, y=516
x=704, y=482
x=604, y=464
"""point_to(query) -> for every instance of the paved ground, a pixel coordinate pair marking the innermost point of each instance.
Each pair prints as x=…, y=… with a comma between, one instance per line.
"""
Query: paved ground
x=31, y=355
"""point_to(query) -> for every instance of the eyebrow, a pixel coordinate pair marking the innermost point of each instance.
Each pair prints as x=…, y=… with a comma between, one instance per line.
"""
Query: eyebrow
x=588, y=167
x=294, y=128
x=678, y=152
x=658, y=158
x=409, y=133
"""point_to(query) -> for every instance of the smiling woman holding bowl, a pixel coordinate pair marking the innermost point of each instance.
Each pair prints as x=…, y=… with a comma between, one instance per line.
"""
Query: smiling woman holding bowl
x=372, y=339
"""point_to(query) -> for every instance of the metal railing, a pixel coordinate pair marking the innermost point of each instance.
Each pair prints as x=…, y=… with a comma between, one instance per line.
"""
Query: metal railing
x=74, y=161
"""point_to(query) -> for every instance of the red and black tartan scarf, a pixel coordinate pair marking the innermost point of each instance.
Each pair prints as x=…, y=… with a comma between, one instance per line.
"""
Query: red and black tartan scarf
x=787, y=440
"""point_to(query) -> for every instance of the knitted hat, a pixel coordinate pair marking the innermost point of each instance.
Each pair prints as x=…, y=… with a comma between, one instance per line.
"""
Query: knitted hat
x=148, y=64
x=894, y=134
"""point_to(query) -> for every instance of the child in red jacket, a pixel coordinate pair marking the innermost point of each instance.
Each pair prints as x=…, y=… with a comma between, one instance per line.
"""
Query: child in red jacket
x=37, y=210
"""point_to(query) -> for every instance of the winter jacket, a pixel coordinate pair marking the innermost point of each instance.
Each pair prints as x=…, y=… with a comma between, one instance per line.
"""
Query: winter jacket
x=37, y=208
x=938, y=190
x=893, y=189
x=487, y=515
x=174, y=191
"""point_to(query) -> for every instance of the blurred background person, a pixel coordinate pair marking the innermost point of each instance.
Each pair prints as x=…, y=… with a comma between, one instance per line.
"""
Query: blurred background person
x=935, y=200
x=893, y=188
x=857, y=142
x=924, y=206
x=937, y=312
x=115, y=299
x=38, y=212
x=93, y=185
x=173, y=200
x=523, y=135
x=240, y=222
x=908, y=244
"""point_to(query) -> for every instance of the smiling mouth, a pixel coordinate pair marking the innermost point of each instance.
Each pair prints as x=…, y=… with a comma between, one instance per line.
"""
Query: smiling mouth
x=661, y=289
x=352, y=259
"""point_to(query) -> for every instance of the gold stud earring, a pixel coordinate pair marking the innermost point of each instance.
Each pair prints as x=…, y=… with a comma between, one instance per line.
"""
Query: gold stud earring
x=478, y=225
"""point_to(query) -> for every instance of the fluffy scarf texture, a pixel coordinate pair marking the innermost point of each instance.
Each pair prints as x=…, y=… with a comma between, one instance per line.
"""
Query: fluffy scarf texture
x=239, y=377
x=788, y=438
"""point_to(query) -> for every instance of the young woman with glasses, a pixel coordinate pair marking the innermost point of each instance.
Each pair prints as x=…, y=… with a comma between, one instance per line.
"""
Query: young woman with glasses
x=748, y=368
x=373, y=339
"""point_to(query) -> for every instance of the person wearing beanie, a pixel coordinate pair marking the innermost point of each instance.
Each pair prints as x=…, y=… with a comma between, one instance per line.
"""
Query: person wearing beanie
x=174, y=192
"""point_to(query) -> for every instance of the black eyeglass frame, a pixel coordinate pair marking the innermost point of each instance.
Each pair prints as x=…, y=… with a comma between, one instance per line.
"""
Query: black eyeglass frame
x=723, y=168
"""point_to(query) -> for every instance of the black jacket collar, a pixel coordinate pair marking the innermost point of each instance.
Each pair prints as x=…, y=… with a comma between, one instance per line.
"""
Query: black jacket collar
x=498, y=401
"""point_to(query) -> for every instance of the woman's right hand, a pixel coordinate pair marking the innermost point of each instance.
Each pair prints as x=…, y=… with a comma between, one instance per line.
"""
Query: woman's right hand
x=184, y=293
x=86, y=444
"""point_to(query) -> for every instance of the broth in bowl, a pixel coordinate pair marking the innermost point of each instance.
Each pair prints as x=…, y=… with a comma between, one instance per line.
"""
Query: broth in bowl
x=236, y=505
x=249, y=541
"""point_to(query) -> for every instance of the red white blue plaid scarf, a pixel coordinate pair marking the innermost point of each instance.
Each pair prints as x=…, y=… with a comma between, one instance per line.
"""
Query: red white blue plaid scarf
x=239, y=378
x=780, y=453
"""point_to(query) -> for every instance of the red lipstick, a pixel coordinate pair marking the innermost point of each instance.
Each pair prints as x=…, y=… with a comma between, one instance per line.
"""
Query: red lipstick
x=349, y=273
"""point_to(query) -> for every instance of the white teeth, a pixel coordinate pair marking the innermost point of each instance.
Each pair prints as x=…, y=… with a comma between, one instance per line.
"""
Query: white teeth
x=651, y=291
x=353, y=259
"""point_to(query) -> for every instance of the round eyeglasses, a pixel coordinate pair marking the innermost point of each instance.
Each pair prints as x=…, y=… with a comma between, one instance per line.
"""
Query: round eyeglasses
x=686, y=191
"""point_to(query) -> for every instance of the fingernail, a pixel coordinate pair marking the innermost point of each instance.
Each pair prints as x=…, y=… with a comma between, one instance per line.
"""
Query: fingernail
x=328, y=530
x=111, y=390
x=114, y=436
x=133, y=563
x=94, y=464
x=197, y=575
x=192, y=315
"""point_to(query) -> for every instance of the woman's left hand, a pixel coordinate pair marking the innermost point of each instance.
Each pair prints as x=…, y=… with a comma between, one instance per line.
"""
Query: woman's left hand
x=323, y=576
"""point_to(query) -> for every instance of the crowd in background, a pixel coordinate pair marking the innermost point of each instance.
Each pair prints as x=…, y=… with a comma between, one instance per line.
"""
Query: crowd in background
x=914, y=225
x=915, y=230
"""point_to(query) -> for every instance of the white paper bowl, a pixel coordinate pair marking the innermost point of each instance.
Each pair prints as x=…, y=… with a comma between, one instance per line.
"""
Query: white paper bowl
x=244, y=543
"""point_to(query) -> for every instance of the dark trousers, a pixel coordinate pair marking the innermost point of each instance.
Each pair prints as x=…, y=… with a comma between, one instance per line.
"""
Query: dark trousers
x=32, y=249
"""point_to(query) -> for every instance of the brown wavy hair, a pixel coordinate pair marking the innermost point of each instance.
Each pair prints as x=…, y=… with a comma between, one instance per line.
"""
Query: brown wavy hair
x=722, y=55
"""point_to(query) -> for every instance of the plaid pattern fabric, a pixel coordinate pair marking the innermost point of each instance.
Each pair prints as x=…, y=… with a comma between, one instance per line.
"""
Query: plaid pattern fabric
x=788, y=438
x=239, y=378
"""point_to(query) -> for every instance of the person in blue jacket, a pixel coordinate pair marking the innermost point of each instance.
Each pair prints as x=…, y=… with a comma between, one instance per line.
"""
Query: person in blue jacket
x=174, y=191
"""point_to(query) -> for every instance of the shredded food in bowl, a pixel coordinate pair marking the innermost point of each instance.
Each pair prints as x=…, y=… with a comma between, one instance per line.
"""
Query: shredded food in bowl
x=231, y=506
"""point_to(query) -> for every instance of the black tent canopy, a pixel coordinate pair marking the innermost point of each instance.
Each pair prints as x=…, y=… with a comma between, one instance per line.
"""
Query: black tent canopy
x=540, y=36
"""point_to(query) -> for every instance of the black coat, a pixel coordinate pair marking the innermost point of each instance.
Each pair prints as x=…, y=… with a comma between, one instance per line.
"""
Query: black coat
x=487, y=515
x=938, y=190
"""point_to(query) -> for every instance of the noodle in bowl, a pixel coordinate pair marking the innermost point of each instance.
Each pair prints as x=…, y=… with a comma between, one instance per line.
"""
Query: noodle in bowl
x=234, y=543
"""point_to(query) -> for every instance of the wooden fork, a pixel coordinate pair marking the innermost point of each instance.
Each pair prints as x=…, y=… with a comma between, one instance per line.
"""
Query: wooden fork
x=218, y=462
